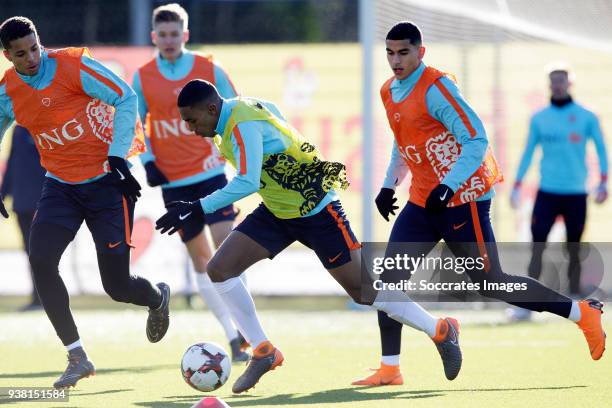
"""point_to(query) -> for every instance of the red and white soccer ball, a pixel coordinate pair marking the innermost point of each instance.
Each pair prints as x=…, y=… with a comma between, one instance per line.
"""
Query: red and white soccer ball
x=211, y=402
x=206, y=366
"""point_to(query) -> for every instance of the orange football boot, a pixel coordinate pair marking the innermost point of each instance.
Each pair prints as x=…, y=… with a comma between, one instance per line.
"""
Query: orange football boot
x=447, y=343
x=385, y=375
x=266, y=358
x=590, y=324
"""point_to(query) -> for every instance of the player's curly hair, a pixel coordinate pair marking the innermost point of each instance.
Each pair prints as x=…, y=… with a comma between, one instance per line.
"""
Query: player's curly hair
x=15, y=28
x=170, y=13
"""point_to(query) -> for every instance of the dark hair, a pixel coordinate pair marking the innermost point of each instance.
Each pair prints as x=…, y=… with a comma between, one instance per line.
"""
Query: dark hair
x=15, y=28
x=559, y=71
x=405, y=30
x=197, y=91
x=170, y=13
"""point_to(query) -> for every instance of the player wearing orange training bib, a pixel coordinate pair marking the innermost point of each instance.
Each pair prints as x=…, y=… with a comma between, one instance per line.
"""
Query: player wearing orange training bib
x=184, y=165
x=442, y=142
x=83, y=121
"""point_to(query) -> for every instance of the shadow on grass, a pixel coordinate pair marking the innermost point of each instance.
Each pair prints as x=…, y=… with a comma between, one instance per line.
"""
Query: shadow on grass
x=117, y=370
x=330, y=396
x=82, y=394
x=323, y=397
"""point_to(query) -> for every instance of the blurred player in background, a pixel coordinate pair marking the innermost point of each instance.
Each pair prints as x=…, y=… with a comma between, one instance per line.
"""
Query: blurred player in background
x=441, y=140
x=186, y=166
x=562, y=129
x=83, y=119
x=23, y=181
x=300, y=203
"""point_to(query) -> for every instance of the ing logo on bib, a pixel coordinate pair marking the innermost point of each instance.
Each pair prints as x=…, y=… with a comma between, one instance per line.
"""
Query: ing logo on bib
x=100, y=117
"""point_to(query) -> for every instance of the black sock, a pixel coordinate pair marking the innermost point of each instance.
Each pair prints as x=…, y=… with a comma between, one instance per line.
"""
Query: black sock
x=390, y=335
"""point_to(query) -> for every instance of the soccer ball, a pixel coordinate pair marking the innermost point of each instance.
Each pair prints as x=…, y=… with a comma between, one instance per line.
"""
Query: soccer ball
x=205, y=366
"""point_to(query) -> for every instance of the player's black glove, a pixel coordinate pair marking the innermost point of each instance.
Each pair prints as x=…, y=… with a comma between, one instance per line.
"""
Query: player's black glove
x=155, y=177
x=2, y=209
x=385, y=202
x=179, y=213
x=438, y=199
x=126, y=183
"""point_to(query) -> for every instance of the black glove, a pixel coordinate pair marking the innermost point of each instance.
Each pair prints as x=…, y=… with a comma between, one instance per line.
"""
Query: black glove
x=438, y=199
x=126, y=183
x=385, y=201
x=155, y=177
x=2, y=209
x=179, y=213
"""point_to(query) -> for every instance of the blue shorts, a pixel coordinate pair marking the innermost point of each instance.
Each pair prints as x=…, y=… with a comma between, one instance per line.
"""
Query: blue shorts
x=194, y=192
x=100, y=204
x=328, y=233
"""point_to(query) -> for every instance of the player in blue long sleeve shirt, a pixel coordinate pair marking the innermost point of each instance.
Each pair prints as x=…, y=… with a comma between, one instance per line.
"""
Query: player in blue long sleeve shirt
x=65, y=99
x=258, y=138
x=186, y=166
x=473, y=148
x=442, y=141
x=562, y=130
x=125, y=104
x=178, y=70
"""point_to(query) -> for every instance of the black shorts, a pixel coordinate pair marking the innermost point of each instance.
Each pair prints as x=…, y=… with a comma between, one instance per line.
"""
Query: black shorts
x=194, y=192
x=100, y=204
x=328, y=233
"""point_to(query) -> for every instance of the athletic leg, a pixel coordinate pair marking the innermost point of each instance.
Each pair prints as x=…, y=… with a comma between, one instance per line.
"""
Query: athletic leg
x=59, y=216
x=574, y=215
x=109, y=217
x=409, y=227
x=48, y=242
x=225, y=269
x=535, y=296
x=545, y=211
x=476, y=239
x=238, y=344
x=329, y=234
x=24, y=219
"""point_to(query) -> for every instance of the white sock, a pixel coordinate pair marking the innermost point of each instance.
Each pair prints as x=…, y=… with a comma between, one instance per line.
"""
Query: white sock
x=216, y=305
x=391, y=360
x=74, y=345
x=241, y=306
x=575, y=314
x=400, y=307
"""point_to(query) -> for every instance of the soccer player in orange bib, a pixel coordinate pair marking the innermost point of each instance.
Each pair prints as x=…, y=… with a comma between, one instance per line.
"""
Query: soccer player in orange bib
x=83, y=120
x=441, y=140
x=186, y=166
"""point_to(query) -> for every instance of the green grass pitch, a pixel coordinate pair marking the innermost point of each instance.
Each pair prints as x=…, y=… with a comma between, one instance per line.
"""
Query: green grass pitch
x=543, y=364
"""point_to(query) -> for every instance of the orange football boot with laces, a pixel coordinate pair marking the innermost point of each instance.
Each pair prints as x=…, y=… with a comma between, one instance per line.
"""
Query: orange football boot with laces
x=385, y=375
x=590, y=324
